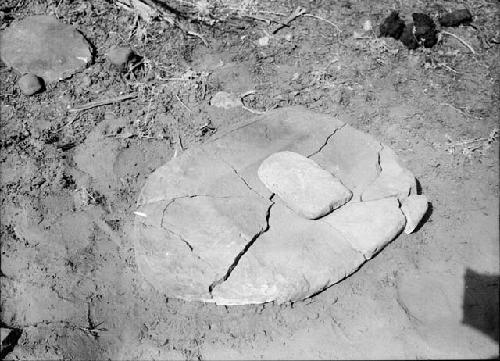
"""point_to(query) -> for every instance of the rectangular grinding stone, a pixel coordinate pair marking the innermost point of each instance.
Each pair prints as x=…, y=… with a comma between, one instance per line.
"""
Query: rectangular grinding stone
x=302, y=184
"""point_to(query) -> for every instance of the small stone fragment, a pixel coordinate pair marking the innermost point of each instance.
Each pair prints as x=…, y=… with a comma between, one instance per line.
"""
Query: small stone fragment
x=30, y=84
x=456, y=18
x=43, y=46
x=408, y=38
x=225, y=100
x=368, y=226
x=302, y=184
x=393, y=181
x=392, y=26
x=121, y=56
x=425, y=30
x=414, y=208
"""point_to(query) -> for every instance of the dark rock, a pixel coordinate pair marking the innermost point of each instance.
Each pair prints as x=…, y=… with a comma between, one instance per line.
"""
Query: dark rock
x=456, y=18
x=425, y=30
x=30, y=84
x=408, y=38
x=392, y=26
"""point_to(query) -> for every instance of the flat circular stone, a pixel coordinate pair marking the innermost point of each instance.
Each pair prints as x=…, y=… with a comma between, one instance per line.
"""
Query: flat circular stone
x=220, y=223
x=43, y=46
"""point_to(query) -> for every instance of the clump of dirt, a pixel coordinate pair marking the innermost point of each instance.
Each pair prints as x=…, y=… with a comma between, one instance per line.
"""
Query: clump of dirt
x=70, y=180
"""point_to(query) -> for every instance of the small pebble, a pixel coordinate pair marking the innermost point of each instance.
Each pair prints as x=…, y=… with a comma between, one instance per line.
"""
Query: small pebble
x=392, y=26
x=120, y=56
x=30, y=84
x=225, y=100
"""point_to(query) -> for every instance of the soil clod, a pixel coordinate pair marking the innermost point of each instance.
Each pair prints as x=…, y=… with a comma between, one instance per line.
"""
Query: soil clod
x=424, y=30
x=456, y=18
x=392, y=26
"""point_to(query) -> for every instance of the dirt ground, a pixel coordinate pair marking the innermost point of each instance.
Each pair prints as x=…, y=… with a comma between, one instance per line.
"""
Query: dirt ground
x=70, y=285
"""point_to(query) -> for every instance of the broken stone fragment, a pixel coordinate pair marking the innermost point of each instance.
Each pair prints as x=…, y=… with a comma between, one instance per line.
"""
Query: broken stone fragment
x=368, y=226
x=302, y=184
x=393, y=181
x=43, y=46
x=292, y=260
x=353, y=156
x=414, y=208
x=30, y=84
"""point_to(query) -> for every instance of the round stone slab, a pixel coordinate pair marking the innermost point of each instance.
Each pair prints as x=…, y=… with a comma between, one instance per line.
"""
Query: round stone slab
x=208, y=229
x=44, y=46
x=302, y=184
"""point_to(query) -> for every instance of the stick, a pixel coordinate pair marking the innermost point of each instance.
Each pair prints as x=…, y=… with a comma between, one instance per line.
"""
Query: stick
x=184, y=105
x=296, y=13
x=459, y=39
x=325, y=20
x=98, y=103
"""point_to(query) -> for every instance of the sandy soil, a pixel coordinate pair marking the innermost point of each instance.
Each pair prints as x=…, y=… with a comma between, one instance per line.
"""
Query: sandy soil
x=70, y=285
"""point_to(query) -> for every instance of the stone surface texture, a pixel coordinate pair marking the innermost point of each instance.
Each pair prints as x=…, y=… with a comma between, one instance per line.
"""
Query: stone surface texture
x=44, y=46
x=304, y=186
x=208, y=229
x=414, y=208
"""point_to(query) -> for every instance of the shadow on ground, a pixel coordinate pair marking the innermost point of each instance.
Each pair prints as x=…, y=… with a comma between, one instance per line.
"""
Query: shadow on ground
x=480, y=305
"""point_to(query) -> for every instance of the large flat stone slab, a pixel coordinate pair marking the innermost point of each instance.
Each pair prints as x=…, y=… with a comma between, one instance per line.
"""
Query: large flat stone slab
x=207, y=228
x=305, y=187
x=44, y=46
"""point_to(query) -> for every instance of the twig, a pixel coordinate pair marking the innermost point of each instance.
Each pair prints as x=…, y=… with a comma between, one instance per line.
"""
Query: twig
x=99, y=103
x=299, y=11
x=325, y=20
x=459, y=39
x=184, y=105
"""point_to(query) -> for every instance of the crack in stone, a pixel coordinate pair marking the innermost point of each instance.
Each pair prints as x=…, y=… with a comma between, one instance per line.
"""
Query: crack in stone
x=240, y=176
x=191, y=248
x=326, y=141
x=246, y=248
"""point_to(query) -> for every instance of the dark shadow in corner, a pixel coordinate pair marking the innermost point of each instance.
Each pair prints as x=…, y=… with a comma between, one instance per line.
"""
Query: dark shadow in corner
x=10, y=342
x=480, y=303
